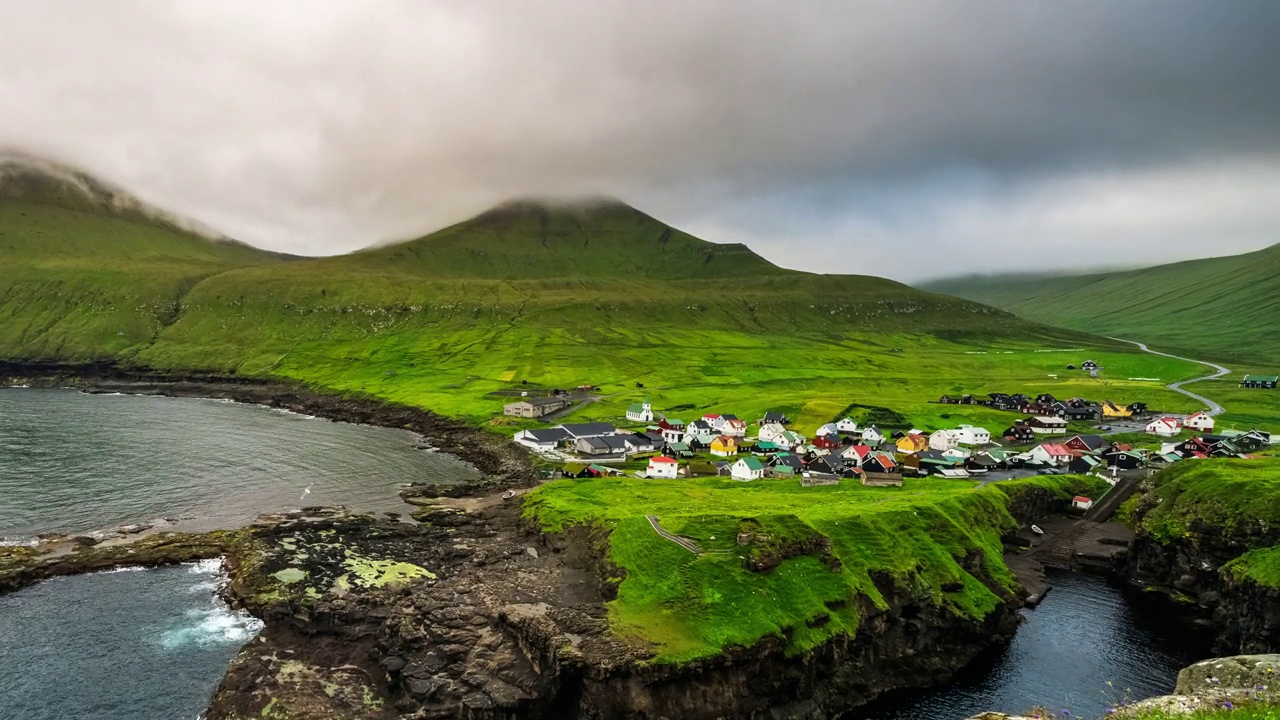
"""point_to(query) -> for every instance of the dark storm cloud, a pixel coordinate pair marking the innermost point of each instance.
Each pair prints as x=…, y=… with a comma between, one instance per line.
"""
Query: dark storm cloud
x=904, y=139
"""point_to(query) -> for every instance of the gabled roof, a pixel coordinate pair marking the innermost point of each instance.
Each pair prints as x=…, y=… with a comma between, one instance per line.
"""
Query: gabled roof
x=1056, y=449
x=547, y=435
x=725, y=440
x=661, y=460
x=537, y=401
x=578, y=430
x=728, y=416
x=752, y=463
x=1093, y=442
x=1261, y=378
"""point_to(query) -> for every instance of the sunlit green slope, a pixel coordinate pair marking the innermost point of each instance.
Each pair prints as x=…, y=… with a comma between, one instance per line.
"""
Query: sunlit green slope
x=1225, y=308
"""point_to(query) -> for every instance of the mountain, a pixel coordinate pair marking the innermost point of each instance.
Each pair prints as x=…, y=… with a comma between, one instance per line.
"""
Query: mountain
x=90, y=270
x=1226, y=308
x=538, y=292
x=547, y=239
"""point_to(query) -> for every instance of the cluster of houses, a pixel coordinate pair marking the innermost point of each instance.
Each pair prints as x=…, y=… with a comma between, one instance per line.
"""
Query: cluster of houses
x=1046, y=405
x=718, y=444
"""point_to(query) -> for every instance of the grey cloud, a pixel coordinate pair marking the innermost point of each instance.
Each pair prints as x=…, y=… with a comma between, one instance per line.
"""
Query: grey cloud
x=829, y=135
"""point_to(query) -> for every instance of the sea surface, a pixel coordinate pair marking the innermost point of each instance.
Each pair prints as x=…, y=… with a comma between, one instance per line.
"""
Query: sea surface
x=73, y=462
x=123, y=645
x=152, y=644
x=1087, y=647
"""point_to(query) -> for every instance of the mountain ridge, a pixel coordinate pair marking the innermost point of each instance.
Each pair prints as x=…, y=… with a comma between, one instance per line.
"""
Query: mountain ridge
x=1225, y=308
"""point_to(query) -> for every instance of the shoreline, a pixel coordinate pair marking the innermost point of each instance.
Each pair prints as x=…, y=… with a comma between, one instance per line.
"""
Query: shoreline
x=501, y=462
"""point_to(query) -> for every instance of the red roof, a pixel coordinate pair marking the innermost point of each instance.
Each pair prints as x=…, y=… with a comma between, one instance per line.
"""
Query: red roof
x=711, y=416
x=735, y=423
x=660, y=459
x=1081, y=499
x=860, y=450
x=1056, y=449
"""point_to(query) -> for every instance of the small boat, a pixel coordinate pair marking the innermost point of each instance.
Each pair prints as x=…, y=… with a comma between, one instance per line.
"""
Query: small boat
x=508, y=494
x=1036, y=529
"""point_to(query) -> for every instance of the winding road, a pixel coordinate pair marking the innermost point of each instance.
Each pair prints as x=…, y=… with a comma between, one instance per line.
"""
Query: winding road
x=1214, y=407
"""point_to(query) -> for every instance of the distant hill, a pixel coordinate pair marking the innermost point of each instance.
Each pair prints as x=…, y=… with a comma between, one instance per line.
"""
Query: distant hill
x=1226, y=308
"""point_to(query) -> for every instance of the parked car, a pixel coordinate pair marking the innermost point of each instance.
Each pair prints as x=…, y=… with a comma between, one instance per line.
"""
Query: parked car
x=1104, y=427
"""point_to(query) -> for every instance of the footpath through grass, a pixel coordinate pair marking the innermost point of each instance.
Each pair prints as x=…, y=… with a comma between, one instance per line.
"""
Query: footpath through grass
x=830, y=550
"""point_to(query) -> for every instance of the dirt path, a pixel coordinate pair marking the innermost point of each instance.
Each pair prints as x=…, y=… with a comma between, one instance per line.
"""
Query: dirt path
x=685, y=543
x=1214, y=407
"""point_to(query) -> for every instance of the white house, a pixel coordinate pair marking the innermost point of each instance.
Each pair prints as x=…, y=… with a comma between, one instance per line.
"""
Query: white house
x=787, y=439
x=958, y=453
x=641, y=412
x=1200, y=421
x=972, y=435
x=944, y=440
x=1045, y=425
x=1081, y=502
x=747, y=468
x=662, y=467
x=828, y=429
x=847, y=425
x=1050, y=454
x=1164, y=427
x=856, y=453
x=771, y=432
x=872, y=436
x=733, y=427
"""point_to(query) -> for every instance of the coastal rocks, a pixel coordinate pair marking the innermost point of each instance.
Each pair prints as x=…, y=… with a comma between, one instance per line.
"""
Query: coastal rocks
x=1216, y=684
x=22, y=566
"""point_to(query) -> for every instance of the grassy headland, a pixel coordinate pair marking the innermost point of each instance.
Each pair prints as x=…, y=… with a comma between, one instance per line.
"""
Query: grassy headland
x=780, y=560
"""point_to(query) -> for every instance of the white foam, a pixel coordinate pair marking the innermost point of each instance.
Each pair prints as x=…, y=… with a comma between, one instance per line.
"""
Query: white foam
x=215, y=626
x=212, y=566
x=127, y=568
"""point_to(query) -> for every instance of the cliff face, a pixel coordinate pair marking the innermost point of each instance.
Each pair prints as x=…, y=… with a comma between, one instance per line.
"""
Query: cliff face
x=1191, y=531
x=513, y=625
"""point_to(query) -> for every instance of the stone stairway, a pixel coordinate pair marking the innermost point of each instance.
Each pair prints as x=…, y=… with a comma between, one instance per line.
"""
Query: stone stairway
x=1057, y=551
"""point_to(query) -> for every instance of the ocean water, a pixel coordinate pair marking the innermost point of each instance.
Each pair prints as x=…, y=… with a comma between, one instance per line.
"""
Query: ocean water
x=137, y=645
x=72, y=462
x=153, y=644
x=1087, y=647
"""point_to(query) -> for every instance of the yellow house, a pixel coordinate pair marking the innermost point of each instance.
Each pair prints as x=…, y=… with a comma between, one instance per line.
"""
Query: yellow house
x=1111, y=410
x=724, y=446
x=913, y=443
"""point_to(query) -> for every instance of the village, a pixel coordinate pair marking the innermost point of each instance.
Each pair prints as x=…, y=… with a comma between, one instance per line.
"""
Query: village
x=654, y=445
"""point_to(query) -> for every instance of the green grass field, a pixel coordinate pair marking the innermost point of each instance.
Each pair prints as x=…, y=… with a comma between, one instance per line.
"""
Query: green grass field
x=1225, y=309
x=939, y=539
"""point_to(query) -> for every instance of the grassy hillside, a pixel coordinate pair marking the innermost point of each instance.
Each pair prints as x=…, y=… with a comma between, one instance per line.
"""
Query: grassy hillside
x=941, y=538
x=1224, y=308
x=528, y=295
x=89, y=272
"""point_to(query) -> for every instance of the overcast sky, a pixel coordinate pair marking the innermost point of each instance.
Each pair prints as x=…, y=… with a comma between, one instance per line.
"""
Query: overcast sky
x=910, y=139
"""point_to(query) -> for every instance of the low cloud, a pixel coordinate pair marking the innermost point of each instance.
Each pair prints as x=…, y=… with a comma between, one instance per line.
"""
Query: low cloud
x=903, y=139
